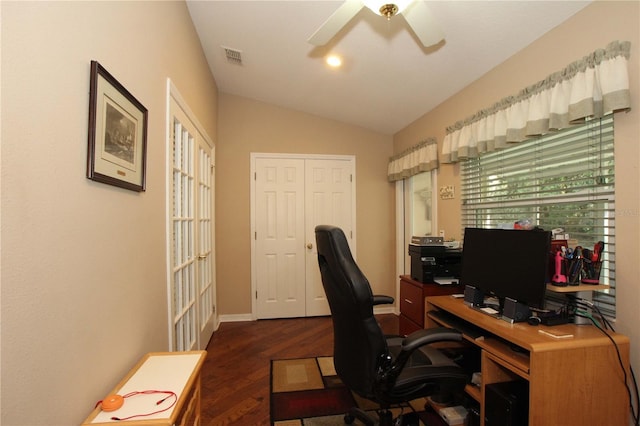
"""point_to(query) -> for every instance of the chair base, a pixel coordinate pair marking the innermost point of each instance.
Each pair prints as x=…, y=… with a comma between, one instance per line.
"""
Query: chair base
x=385, y=417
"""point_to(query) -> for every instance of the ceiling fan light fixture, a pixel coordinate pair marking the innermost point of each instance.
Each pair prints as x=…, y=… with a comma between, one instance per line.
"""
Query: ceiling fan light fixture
x=415, y=12
x=386, y=8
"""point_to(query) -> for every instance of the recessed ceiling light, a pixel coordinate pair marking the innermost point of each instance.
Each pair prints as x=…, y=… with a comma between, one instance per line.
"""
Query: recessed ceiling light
x=334, y=61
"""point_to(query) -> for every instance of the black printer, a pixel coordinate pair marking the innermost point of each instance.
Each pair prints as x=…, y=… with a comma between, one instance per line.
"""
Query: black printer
x=432, y=261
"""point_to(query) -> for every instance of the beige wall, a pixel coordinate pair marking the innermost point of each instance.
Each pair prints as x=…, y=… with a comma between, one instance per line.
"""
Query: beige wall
x=247, y=126
x=590, y=29
x=83, y=264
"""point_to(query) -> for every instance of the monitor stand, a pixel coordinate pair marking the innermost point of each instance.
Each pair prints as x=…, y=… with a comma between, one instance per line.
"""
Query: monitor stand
x=475, y=299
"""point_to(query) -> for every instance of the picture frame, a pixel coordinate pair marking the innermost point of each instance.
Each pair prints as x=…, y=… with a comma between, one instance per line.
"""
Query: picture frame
x=117, y=152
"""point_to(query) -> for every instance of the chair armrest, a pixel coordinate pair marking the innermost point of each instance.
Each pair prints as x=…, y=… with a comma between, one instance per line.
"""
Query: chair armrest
x=379, y=299
x=428, y=336
x=391, y=369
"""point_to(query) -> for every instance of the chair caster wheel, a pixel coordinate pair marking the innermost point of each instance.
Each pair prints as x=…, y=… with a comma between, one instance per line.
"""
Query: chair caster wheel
x=349, y=419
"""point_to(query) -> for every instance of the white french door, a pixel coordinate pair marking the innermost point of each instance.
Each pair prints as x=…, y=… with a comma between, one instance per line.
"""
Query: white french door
x=292, y=194
x=191, y=250
x=206, y=252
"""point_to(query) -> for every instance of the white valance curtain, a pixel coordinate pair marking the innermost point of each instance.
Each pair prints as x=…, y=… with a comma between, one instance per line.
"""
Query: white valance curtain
x=592, y=87
x=420, y=158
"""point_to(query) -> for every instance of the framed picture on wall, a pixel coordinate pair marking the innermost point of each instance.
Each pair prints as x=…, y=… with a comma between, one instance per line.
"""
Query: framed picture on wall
x=117, y=133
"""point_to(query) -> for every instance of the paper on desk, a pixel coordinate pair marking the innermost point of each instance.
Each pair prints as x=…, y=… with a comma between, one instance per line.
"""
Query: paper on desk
x=446, y=280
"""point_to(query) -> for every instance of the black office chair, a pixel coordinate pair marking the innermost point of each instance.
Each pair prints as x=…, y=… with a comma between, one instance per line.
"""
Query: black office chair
x=386, y=370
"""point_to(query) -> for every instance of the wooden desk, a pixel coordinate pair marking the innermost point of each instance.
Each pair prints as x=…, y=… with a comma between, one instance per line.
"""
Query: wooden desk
x=572, y=381
x=169, y=371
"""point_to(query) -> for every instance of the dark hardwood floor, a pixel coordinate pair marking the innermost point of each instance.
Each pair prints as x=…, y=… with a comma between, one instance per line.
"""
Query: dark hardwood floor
x=235, y=375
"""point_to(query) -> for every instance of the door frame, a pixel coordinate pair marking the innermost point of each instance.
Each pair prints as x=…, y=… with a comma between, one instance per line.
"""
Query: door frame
x=256, y=155
x=403, y=225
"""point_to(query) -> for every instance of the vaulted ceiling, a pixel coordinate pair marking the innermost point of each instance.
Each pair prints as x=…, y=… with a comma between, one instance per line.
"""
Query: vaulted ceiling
x=388, y=79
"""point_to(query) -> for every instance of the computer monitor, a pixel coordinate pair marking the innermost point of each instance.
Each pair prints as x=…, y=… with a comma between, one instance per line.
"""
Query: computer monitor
x=507, y=263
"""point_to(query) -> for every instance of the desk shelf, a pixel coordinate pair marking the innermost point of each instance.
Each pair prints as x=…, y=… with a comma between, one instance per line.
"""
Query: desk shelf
x=515, y=356
x=474, y=392
x=510, y=357
x=577, y=288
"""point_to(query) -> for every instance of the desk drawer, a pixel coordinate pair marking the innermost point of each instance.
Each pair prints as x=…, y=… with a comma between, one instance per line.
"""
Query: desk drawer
x=412, y=302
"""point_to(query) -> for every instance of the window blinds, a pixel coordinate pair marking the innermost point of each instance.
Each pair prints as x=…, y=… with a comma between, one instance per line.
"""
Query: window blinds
x=561, y=180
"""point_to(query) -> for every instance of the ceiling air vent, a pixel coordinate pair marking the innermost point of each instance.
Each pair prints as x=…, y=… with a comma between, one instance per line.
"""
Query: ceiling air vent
x=233, y=56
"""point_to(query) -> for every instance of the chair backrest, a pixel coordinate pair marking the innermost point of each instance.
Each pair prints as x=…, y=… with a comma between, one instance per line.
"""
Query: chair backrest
x=359, y=344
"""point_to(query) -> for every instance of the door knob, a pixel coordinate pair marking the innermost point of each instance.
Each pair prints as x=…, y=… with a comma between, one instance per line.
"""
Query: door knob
x=309, y=246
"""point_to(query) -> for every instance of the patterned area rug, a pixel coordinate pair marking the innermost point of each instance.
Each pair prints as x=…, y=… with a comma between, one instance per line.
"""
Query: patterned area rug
x=307, y=392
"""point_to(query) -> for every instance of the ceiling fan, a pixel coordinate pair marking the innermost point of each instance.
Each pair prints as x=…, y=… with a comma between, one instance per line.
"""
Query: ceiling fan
x=416, y=13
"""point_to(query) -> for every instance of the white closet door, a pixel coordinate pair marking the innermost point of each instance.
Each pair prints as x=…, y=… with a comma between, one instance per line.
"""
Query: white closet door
x=291, y=195
x=279, y=238
x=328, y=195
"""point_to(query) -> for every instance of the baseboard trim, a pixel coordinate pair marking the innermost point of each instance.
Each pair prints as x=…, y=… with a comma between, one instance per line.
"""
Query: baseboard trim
x=384, y=310
x=249, y=317
x=236, y=318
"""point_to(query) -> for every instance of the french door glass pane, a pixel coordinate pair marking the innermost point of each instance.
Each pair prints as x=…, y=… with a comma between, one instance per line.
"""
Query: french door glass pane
x=421, y=204
x=184, y=308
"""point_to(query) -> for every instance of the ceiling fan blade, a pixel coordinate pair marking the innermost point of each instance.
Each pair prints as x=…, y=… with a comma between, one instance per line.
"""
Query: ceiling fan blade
x=336, y=21
x=423, y=24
